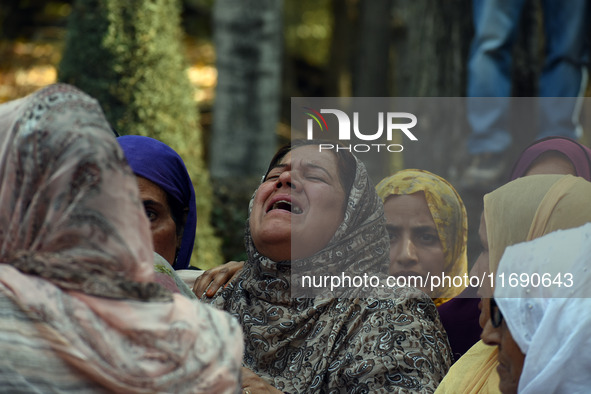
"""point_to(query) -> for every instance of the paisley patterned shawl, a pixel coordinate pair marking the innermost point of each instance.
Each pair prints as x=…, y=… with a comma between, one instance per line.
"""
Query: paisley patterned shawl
x=391, y=341
x=76, y=269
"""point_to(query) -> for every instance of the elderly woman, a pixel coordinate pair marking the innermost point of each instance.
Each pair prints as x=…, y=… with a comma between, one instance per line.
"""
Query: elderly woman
x=317, y=211
x=521, y=210
x=540, y=328
x=428, y=228
x=80, y=311
x=168, y=196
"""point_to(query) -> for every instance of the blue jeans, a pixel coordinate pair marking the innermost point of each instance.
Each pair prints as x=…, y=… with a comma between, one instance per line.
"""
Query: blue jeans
x=562, y=80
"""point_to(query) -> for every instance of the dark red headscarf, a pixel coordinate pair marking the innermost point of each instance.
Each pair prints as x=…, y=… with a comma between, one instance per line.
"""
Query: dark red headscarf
x=579, y=155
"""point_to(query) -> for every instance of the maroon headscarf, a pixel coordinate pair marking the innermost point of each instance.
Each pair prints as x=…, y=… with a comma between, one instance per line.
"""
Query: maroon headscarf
x=579, y=155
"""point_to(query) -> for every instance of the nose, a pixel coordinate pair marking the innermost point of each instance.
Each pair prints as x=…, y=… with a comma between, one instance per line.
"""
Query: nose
x=491, y=335
x=407, y=255
x=285, y=179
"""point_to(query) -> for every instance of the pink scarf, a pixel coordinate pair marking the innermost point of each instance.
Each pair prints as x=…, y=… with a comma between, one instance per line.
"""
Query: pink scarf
x=76, y=257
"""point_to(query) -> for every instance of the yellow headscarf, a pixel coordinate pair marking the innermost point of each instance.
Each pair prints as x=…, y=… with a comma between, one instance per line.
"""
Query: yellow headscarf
x=519, y=211
x=448, y=212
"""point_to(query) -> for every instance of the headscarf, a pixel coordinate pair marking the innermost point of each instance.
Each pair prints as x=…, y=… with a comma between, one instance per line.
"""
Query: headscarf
x=549, y=322
x=449, y=215
x=76, y=263
x=578, y=154
x=159, y=163
x=521, y=210
x=530, y=207
x=302, y=345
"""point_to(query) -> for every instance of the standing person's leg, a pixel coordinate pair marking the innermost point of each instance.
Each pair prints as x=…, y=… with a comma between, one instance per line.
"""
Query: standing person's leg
x=564, y=76
x=489, y=89
x=489, y=73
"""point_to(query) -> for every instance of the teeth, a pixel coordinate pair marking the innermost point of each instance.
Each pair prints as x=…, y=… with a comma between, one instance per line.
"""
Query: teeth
x=287, y=205
x=279, y=203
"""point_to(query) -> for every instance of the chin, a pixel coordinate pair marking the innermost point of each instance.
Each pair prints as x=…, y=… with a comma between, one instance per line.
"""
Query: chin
x=508, y=387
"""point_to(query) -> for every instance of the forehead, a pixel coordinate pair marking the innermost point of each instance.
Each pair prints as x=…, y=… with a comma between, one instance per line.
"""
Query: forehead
x=408, y=206
x=150, y=191
x=551, y=162
x=309, y=155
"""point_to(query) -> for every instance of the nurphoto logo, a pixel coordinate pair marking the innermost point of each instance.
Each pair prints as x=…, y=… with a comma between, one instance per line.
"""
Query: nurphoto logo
x=394, y=122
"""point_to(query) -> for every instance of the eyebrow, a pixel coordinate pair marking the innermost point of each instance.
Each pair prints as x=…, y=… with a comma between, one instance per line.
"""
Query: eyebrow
x=278, y=166
x=307, y=165
x=392, y=227
x=151, y=202
x=316, y=166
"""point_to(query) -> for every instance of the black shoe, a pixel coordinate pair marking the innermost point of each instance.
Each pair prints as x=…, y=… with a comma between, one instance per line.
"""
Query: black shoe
x=485, y=172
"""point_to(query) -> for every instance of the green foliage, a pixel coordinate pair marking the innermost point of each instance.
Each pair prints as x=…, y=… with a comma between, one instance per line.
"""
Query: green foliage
x=308, y=30
x=128, y=55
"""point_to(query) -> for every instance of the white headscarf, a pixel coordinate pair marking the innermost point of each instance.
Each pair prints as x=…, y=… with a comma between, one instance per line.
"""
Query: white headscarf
x=550, y=323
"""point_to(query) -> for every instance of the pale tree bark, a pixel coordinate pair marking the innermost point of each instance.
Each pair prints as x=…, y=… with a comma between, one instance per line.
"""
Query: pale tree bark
x=248, y=40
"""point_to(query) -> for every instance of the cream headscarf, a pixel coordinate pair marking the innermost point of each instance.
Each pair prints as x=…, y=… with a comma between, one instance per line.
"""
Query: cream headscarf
x=448, y=212
x=521, y=210
x=76, y=264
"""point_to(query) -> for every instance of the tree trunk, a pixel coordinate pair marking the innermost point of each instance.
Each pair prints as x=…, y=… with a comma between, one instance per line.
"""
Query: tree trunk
x=371, y=71
x=248, y=42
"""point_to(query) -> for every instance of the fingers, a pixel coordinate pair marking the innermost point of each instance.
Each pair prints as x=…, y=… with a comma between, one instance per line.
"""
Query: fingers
x=252, y=383
x=213, y=279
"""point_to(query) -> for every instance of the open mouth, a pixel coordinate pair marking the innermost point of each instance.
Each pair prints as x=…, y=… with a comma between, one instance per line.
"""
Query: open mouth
x=286, y=206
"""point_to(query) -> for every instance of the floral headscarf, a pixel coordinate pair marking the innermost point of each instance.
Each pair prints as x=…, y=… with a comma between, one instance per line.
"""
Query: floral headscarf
x=448, y=212
x=76, y=263
x=391, y=342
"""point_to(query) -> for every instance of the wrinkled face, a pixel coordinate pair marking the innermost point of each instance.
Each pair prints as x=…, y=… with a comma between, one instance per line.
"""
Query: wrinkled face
x=299, y=206
x=510, y=357
x=480, y=267
x=415, y=247
x=161, y=223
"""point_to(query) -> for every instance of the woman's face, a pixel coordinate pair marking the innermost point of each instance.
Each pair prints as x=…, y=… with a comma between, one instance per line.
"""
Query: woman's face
x=301, y=199
x=161, y=223
x=510, y=357
x=415, y=247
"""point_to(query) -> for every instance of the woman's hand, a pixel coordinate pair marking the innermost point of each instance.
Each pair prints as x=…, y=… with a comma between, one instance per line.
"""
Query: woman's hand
x=213, y=279
x=253, y=384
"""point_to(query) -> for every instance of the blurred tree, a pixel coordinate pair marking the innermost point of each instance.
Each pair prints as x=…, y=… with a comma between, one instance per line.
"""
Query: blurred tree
x=338, y=70
x=371, y=70
x=248, y=40
x=128, y=55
